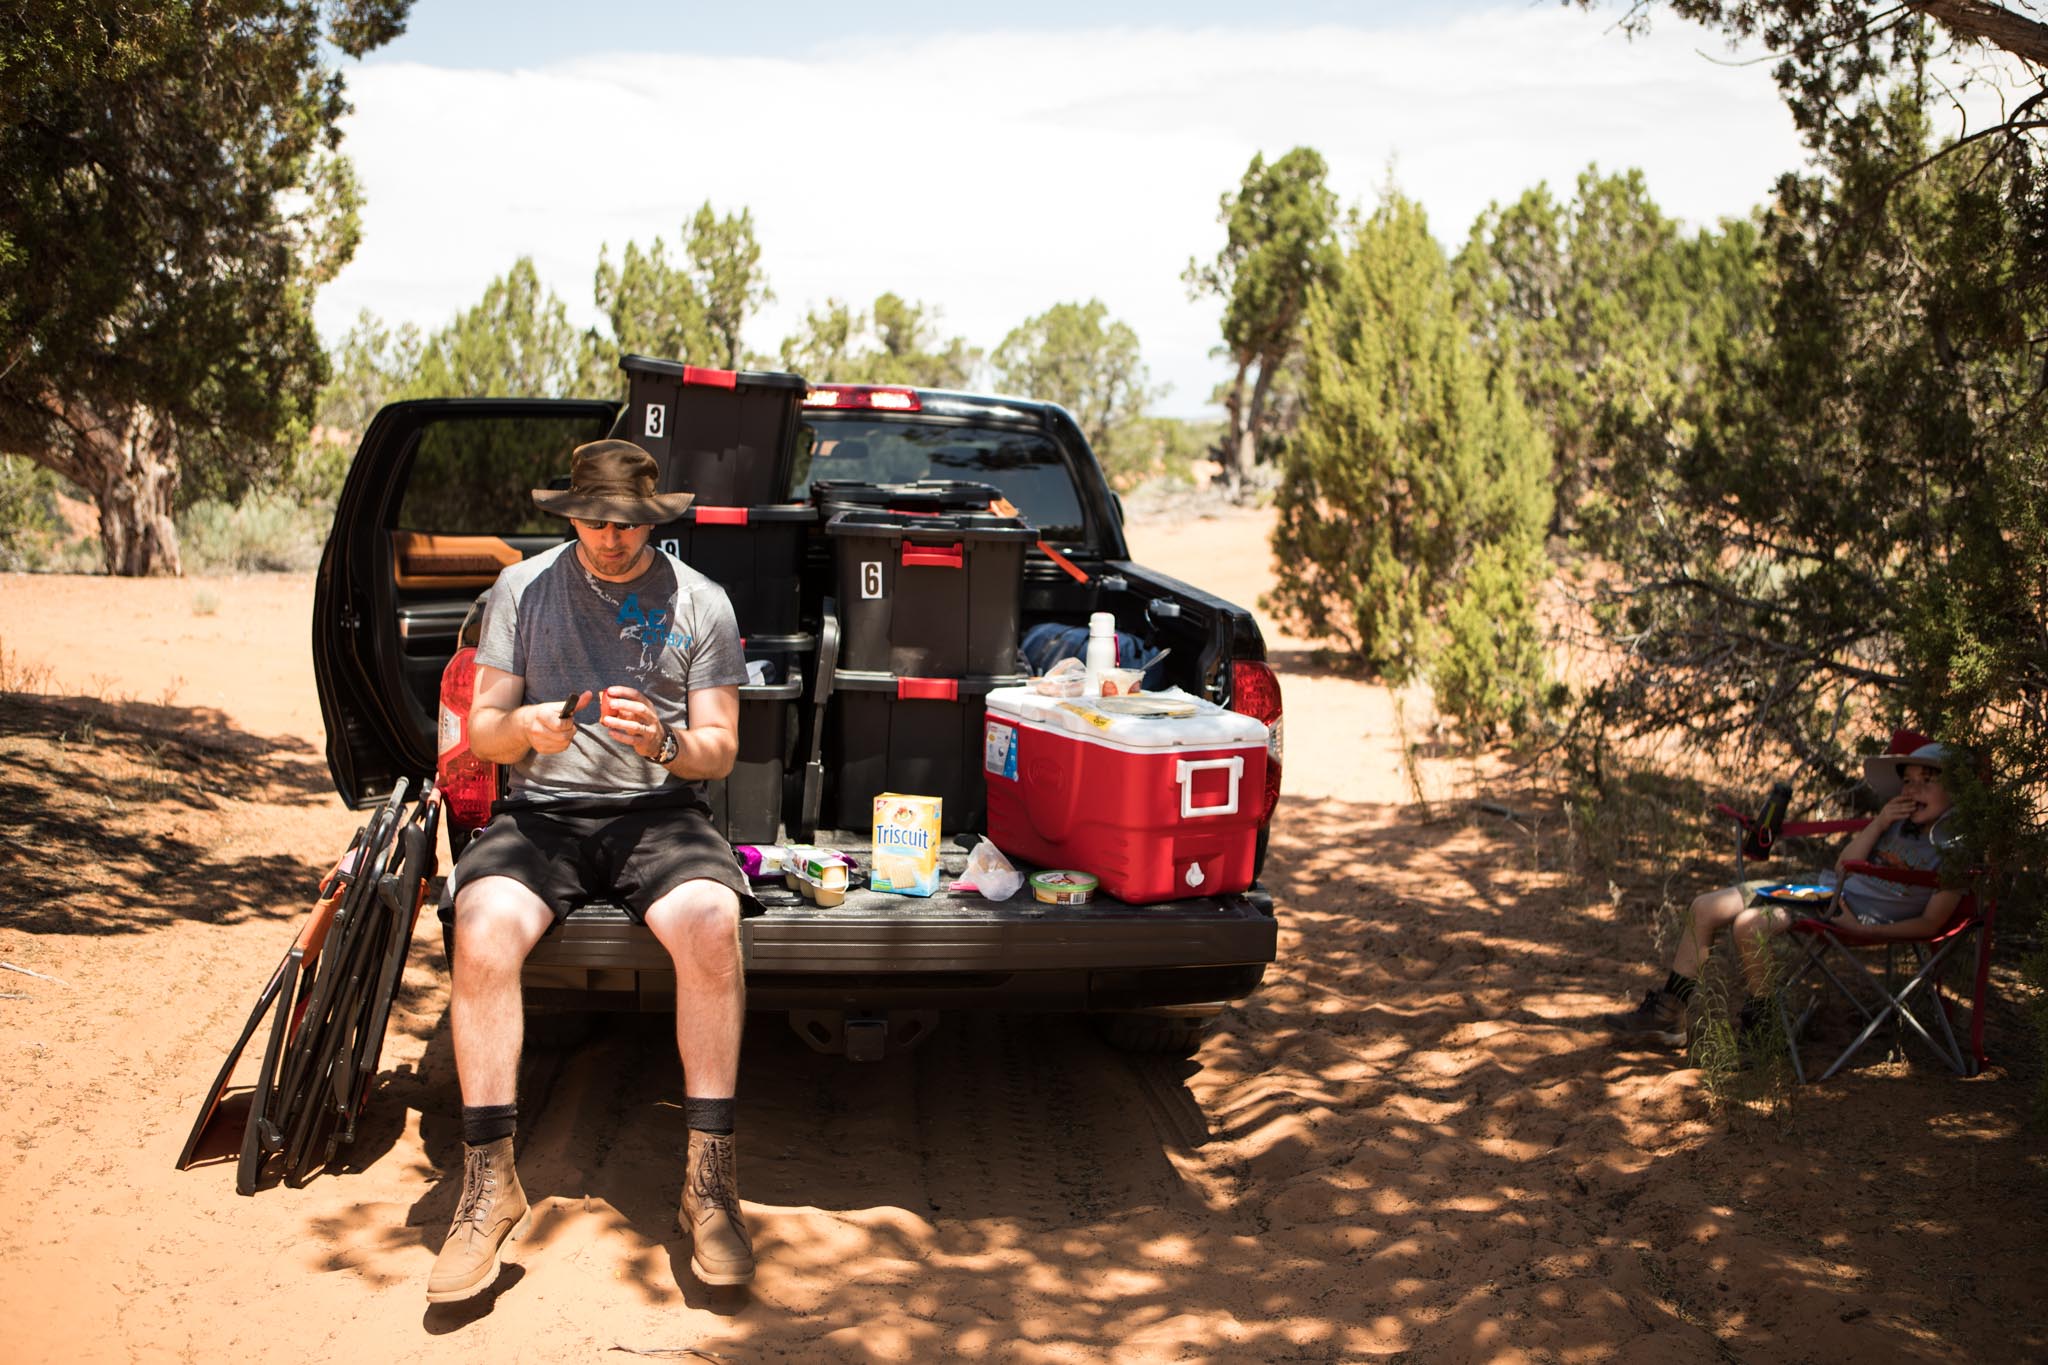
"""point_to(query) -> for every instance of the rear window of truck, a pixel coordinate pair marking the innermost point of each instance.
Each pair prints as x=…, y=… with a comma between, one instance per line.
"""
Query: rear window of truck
x=1026, y=465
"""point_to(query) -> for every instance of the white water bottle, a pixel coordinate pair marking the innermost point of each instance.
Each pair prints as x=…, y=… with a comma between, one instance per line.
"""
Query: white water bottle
x=1101, y=656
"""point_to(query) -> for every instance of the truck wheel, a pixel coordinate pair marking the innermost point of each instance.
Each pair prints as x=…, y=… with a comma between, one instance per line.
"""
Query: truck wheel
x=1154, y=1035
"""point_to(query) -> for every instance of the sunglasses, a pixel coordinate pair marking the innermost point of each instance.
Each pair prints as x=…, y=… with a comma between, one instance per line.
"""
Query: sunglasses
x=610, y=525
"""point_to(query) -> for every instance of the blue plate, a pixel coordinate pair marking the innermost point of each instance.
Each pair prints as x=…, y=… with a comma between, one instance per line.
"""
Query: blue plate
x=1811, y=895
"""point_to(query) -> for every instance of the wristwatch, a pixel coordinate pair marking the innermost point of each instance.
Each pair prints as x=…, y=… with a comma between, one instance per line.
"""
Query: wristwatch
x=669, y=745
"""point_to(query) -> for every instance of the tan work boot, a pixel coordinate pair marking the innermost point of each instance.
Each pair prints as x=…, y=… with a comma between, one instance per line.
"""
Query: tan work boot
x=720, y=1250
x=491, y=1212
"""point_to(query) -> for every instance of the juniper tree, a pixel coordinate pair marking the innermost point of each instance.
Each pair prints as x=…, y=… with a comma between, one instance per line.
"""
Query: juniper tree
x=1414, y=494
x=174, y=197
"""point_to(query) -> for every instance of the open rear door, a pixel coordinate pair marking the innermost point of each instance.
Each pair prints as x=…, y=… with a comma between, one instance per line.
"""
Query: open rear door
x=437, y=501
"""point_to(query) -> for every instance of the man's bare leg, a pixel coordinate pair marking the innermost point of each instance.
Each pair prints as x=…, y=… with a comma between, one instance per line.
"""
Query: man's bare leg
x=699, y=923
x=497, y=922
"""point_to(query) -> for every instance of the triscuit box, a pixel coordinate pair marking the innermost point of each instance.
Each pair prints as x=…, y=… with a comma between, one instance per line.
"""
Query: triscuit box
x=906, y=844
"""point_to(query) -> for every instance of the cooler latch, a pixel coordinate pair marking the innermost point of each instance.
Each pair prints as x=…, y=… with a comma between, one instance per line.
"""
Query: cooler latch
x=1186, y=768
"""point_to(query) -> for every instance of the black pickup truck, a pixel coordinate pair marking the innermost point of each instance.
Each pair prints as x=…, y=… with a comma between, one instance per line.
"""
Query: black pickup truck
x=436, y=503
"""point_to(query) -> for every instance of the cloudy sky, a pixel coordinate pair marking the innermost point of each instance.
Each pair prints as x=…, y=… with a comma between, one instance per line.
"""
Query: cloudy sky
x=997, y=165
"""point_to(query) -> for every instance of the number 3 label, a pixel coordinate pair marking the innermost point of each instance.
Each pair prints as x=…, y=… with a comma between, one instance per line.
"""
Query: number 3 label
x=870, y=578
x=655, y=415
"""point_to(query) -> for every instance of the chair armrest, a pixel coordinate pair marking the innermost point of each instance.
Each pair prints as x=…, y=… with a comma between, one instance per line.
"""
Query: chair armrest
x=1904, y=876
x=1795, y=829
x=1802, y=829
x=1913, y=876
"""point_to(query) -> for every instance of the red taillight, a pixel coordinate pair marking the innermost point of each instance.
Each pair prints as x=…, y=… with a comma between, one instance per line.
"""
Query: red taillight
x=468, y=784
x=872, y=396
x=1255, y=692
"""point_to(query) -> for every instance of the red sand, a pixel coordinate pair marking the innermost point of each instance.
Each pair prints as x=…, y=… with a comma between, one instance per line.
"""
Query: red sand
x=1408, y=1143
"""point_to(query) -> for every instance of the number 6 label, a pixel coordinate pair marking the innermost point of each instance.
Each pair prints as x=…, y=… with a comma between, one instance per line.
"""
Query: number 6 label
x=870, y=578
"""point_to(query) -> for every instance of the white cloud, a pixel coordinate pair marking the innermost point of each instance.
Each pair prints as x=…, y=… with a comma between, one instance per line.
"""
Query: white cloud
x=995, y=174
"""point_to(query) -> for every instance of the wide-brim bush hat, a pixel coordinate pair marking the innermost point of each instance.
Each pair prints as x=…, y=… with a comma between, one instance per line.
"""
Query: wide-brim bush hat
x=613, y=481
x=1881, y=771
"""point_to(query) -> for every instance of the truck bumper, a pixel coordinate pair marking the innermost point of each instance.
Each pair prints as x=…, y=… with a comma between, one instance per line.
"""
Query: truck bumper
x=879, y=951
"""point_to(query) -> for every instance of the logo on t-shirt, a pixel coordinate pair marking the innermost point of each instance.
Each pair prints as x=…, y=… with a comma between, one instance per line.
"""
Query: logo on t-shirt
x=654, y=629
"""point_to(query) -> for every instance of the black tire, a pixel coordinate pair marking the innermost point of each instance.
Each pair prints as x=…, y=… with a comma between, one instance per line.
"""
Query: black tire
x=1154, y=1035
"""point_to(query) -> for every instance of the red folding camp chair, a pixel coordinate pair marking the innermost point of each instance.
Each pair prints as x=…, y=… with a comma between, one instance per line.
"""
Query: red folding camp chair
x=1889, y=998
x=1826, y=946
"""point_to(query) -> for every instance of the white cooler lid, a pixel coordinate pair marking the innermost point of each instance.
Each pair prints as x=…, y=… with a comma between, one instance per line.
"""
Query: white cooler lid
x=1209, y=727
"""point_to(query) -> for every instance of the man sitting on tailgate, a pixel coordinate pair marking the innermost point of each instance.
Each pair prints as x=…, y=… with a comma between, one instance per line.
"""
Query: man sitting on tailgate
x=607, y=800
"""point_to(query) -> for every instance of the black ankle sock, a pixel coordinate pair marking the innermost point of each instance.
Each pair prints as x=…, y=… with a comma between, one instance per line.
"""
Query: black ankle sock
x=1680, y=986
x=710, y=1116
x=483, y=1124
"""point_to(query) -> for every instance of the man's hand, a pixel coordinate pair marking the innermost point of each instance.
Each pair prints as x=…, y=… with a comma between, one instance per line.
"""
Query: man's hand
x=630, y=718
x=549, y=725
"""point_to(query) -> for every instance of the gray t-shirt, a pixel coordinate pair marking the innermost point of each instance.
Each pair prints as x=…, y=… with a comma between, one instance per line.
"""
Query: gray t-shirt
x=1904, y=845
x=564, y=630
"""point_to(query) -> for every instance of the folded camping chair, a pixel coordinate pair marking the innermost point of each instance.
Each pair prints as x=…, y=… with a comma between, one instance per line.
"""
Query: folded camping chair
x=1826, y=951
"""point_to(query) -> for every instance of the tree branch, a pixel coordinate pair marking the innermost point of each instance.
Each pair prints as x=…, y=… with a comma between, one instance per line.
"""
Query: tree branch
x=1996, y=25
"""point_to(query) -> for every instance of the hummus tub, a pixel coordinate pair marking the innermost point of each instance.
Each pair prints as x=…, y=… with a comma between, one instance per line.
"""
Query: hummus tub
x=1155, y=806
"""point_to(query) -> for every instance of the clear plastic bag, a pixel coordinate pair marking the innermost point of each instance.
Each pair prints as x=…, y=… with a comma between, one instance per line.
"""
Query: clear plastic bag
x=989, y=873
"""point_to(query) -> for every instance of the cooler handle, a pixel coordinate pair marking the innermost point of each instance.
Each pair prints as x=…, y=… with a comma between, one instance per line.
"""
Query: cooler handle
x=710, y=378
x=928, y=689
x=1188, y=767
x=721, y=516
x=932, y=556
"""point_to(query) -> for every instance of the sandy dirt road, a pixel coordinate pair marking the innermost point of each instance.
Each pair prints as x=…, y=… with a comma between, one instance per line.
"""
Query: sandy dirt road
x=1408, y=1145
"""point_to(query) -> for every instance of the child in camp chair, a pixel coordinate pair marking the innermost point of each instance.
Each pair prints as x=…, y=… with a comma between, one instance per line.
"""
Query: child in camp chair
x=1911, y=831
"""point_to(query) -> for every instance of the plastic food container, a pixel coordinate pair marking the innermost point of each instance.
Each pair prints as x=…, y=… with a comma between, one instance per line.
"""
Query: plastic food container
x=1121, y=682
x=1063, y=887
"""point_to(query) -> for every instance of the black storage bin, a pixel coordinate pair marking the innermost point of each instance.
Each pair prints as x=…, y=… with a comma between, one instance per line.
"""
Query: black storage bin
x=729, y=436
x=916, y=736
x=755, y=553
x=789, y=654
x=926, y=495
x=746, y=806
x=930, y=596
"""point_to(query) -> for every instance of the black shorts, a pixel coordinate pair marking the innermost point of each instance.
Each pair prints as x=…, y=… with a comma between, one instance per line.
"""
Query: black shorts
x=569, y=856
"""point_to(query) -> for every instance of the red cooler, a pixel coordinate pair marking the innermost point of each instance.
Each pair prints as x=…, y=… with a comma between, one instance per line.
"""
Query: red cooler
x=1155, y=806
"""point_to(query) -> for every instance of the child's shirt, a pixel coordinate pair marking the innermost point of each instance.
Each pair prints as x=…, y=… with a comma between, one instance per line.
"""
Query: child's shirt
x=1904, y=845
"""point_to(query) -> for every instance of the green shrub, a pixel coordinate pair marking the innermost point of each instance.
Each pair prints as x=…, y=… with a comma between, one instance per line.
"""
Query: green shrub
x=1488, y=668
x=1415, y=488
x=262, y=533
